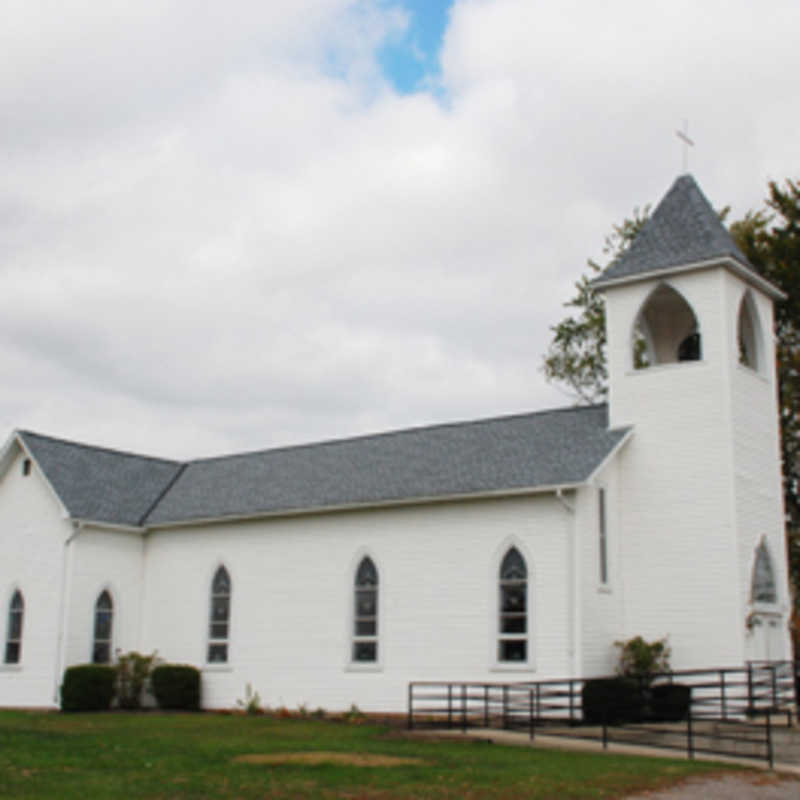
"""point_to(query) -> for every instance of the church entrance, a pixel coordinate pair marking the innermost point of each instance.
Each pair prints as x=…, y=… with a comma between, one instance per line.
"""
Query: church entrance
x=767, y=639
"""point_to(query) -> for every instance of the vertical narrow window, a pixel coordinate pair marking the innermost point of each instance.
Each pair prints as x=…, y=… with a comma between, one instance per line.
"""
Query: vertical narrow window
x=764, y=588
x=603, y=542
x=103, y=624
x=365, y=617
x=16, y=608
x=219, y=621
x=513, y=636
x=26, y=467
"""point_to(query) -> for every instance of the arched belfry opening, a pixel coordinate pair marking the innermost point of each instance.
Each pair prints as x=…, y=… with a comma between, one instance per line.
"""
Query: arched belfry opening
x=748, y=334
x=665, y=331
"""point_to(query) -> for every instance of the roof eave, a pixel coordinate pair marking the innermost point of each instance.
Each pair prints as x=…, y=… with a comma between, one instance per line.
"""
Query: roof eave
x=19, y=437
x=611, y=455
x=728, y=262
x=411, y=501
x=123, y=527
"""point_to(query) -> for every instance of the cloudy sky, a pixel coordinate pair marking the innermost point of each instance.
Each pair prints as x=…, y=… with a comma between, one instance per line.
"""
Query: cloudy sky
x=234, y=225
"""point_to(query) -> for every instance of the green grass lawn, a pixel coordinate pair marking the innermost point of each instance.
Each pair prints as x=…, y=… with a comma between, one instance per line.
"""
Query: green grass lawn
x=155, y=755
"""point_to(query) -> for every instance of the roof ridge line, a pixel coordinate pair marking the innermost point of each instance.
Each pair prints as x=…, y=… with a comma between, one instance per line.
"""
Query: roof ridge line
x=397, y=432
x=100, y=448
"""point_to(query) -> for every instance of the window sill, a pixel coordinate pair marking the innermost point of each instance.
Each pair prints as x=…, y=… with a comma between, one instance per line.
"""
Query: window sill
x=654, y=368
x=752, y=371
x=765, y=609
x=604, y=588
x=513, y=667
x=217, y=668
x=354, y=666
x=10, y=667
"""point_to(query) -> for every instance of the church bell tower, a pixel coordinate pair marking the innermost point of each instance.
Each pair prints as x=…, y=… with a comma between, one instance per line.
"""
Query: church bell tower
x=691, y=364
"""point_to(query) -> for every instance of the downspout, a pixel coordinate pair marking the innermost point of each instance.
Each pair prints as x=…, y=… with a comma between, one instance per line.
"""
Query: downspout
x=66, y=590
x=142, y=592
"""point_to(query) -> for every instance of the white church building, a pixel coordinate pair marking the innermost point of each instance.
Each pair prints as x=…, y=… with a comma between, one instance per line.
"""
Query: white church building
x=513, y=548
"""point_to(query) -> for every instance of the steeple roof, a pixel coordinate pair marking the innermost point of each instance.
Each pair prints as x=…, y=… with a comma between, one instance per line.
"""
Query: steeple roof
x=683, y=231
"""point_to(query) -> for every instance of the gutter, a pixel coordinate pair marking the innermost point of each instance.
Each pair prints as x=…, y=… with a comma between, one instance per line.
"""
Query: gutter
x=381, y=504
x=66, y=589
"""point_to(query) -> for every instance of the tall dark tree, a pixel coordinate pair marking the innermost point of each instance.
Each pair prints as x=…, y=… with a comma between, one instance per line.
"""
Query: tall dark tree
x=770, y=238
x=576, y=357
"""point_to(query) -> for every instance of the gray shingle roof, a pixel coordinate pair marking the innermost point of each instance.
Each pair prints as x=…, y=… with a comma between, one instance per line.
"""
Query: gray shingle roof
x=516, y=452
x=98, y=484
x=684, y=229
x=525, y=451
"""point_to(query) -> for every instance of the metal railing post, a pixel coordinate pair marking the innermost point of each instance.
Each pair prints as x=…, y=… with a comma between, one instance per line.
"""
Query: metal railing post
x=572, y=702
x=770, y=758
x=689, y=735
x=722, y=690
x=532, y=716
x=605, y=729
x=449, y=705
x=463, y=708
x=750, y=700
x=410, y=706
x=505, y=706
x=773, y=670
x=486, y=705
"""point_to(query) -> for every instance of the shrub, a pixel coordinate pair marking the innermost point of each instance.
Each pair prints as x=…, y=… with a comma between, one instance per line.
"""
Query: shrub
x=252, y=701
x=87, y=687
x=669, y=702
x=176, y=686
x=612, y=700
x=642, y=660
x=132, y=670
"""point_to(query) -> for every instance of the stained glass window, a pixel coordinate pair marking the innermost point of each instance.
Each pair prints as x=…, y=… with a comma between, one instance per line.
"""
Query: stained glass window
x=103, y=624
x=16, y=609
x=513, y=623
x=764, y=588
x=219, y=618
x=365, y=616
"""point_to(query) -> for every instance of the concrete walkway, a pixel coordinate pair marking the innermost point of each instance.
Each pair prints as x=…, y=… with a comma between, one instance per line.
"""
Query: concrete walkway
x=590, y=746
x=740, y=786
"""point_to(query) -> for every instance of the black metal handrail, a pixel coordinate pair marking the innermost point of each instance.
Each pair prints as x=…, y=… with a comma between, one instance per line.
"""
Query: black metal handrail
x=724, y=709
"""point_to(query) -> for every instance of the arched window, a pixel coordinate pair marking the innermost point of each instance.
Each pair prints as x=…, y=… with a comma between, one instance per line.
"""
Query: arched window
x=512, y=642
x=365, y=616
x=16, y=609
x=764, y=588
x=748, y=331
x=666, y=330
x=220, y=616
x=103, y=624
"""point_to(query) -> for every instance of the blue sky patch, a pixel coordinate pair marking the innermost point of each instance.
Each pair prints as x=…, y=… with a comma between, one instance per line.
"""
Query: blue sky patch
x=411, y=60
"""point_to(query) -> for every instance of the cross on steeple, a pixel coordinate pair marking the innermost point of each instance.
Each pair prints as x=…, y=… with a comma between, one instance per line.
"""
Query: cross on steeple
x=687, y=143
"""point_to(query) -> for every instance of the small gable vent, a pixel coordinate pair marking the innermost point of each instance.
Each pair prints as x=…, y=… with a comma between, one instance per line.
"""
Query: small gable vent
x=26, y=467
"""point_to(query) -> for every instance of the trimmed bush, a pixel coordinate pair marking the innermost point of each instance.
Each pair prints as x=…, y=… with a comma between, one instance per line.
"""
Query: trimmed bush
x=176, y=687
x=612, y=700
x=87, y=687
x=669, y=702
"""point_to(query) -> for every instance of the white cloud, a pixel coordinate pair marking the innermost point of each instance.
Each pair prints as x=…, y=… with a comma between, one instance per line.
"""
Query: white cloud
x=223, y=230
